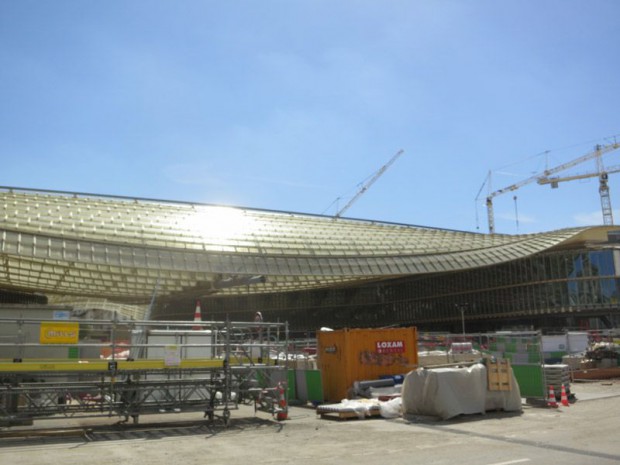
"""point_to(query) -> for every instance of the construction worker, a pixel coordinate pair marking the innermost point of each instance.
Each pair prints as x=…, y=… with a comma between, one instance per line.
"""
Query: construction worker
x=258, y=318
x=258, y=334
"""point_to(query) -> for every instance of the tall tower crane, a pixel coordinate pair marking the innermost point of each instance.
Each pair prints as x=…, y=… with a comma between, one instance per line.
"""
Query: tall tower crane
x=370, y=182
x=544, y=178
x=603, y=189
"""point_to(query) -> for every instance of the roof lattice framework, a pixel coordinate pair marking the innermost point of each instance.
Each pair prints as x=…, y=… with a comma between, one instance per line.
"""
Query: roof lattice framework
x=67, y=244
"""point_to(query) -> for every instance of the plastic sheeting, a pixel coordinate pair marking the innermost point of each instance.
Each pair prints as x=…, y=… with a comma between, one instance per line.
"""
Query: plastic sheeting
x=449, y=392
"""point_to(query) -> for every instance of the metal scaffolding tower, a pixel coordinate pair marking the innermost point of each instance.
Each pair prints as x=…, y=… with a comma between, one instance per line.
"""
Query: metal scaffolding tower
x=59, y=369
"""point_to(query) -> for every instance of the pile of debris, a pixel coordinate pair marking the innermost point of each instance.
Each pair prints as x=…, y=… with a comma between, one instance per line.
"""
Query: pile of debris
x=443, y=392
x=600, y=361
x=605, y=354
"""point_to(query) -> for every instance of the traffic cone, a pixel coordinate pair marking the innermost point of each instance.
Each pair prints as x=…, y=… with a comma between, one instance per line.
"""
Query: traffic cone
x=564, y=398
x=197, y=315
x=282, y=405
x=551, y=402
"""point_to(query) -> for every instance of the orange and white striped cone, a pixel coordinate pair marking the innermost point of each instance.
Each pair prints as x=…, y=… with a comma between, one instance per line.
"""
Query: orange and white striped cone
x=564, y=398
x=282, y=412
x=197, y=316
x=551, y=402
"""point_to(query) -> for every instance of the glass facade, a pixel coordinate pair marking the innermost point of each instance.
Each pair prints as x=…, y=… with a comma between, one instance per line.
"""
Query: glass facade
x=552, y=284
x=310, y=270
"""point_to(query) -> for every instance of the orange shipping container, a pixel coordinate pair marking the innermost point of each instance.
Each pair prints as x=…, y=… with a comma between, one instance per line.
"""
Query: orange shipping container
x=350, y=355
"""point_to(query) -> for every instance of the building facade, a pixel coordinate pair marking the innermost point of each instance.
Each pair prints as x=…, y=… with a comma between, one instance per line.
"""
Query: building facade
x=575, y=289
x=310, y=270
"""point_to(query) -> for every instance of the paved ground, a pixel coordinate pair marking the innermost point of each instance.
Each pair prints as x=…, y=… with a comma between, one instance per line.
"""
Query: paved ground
x=586, y=432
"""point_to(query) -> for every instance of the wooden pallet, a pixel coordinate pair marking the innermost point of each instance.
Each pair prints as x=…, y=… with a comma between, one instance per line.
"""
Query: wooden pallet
x=498, y=375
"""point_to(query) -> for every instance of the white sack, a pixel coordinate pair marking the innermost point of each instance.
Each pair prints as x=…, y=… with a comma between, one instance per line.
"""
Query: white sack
x=390, y=408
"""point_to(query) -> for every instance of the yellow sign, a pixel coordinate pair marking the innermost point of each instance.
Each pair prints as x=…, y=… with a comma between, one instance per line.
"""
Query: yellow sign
x=59, y=332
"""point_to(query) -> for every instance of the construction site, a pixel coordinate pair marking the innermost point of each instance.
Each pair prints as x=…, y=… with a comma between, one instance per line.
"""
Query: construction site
x=126, y=319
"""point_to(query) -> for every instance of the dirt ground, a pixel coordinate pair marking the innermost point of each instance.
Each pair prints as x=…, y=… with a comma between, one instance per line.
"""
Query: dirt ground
x=584, y=432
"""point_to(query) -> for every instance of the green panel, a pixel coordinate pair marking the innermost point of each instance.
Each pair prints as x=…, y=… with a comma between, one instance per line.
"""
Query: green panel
x=530, y=380
x=314, y=382
x=74, y=352
x=260, y=377
x=291, y=387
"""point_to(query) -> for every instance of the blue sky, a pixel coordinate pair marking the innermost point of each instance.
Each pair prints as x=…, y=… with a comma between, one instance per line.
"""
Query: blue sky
x=290, y=105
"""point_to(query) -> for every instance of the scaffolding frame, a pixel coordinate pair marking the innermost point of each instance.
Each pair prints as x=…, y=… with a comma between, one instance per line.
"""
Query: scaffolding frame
x=142, y=367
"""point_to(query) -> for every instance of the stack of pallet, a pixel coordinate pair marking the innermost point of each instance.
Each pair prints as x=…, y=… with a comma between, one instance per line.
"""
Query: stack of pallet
x=557, y=376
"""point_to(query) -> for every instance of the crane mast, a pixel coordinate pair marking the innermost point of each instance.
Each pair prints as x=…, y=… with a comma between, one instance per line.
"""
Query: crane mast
x=543, y=178
x=603, y=177
x=603, y=191
x=608, y=217
x=367, y=185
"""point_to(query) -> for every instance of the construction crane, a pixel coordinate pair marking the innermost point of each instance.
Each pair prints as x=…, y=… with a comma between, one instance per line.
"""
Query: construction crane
x=544, y=178
x=603, y=189
x=370, y=182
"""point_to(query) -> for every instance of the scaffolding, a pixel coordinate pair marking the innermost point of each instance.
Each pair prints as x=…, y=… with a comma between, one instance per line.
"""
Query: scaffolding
x=111, y=368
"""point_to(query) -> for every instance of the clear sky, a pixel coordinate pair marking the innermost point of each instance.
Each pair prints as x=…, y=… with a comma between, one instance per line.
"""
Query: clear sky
x=290, y=105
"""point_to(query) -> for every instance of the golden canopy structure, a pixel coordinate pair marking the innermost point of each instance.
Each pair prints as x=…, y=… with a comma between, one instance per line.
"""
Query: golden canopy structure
x=123, y=249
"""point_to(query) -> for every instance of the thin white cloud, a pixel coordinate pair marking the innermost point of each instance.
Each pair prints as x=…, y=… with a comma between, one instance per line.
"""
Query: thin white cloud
x=511, y=217
x=591, y=218
x=192, y=174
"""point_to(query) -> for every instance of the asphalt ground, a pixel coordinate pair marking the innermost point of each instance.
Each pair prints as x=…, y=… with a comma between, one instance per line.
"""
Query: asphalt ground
x=583, y=433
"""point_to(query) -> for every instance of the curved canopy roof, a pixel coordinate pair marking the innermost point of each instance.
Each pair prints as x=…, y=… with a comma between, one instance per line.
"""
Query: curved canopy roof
x=122, y=249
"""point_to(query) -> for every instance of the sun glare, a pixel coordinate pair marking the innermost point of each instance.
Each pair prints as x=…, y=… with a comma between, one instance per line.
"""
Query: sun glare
x=219, y=224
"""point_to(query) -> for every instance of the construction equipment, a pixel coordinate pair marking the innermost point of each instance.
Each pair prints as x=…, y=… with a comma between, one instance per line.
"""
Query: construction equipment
x=370, y=182
x=89, y=368
x=603, y=176
x=544, y=178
